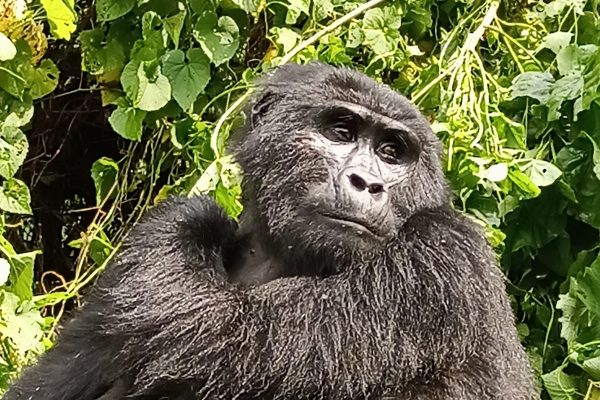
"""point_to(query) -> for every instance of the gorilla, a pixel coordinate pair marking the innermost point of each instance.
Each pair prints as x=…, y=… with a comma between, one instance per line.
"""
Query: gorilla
x=349, y=275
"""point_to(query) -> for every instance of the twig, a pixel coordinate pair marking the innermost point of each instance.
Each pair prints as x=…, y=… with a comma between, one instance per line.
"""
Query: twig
x=469, y=46
x=475, y=36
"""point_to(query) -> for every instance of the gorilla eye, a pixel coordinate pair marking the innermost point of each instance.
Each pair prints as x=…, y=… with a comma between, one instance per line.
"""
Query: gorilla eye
x=343, y=133
x=396, y=146
x=339, y=124
x=392, y=153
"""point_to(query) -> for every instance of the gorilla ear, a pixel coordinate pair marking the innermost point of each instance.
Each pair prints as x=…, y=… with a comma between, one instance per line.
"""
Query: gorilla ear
x=262, y=106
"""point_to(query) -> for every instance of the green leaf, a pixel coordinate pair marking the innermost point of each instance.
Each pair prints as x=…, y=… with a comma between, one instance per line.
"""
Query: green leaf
x=219, y=38
x=21, y=274
x=154, y=88
x=286, y=37
x=14, y=72
x=145, y=85
x=13, y=150
x=576, y=162
x=130, y=80
x=188, y=75
x=208, y=180
x=568, y=87
x=322, y=9
x=556, y=41
x=560, y=386
x=61, y=17
x=295, y=8
x=105, y=173
x=524, y=183
x=380, y=29
x=108, y=10
x=592, y=367
x=200, y=6
x=595, y=155
x=100, y=56
x=229, y=199
x=127, y=122
x=543, y=173
x=14, y=197
x=44, y=79
x=569, y=321
x=536, y=85
x=151, y=26
x=8, y=51
x=21, y=324
x=173, y=26
x=588, y=290
x=250, y=6
x=15, y=112
x=574, y=58
x=591, y=91
x=100, y=249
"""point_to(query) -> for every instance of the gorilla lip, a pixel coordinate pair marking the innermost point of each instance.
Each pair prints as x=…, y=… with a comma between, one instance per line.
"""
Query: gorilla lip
x=351, y=222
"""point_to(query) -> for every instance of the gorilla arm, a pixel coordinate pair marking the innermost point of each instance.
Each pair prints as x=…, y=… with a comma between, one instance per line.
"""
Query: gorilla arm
x=149, y=283
x=419, y=323
x=487, y=361
x=293, y=337
x=361, y=334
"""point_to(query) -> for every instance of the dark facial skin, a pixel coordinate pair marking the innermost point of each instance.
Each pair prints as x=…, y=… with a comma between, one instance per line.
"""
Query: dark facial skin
x=367, y=154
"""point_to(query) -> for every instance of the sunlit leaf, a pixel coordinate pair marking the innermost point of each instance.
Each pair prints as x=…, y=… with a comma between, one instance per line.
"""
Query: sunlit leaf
x=61, y=17
x=13, y=149
x=543, y=173
x=105, y=173
x=560, y=386
x=173, y=26
x=8, y=51
x=21, y=274
x=127, y=122
x=556, y=41
x=108, y=10
x=188, y=74
x=14, y=197
x=219, y=37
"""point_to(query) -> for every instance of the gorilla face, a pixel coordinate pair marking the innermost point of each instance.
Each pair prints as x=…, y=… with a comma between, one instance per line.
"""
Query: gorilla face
x=337, y=159
x=366, y=156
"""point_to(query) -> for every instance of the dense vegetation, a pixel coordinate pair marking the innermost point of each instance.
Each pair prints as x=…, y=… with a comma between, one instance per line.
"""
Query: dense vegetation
x=106, y=108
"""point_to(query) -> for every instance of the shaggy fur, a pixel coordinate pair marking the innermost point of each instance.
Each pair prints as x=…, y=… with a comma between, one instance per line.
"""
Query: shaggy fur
x=420, y=315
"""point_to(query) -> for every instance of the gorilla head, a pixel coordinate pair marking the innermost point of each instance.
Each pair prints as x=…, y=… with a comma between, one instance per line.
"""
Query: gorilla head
x=335, y=162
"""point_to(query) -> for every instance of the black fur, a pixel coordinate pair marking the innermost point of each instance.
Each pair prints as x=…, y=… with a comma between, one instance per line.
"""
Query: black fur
x=417, y=313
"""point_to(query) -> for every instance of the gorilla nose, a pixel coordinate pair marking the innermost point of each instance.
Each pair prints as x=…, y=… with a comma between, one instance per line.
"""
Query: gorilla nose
x=363, y=181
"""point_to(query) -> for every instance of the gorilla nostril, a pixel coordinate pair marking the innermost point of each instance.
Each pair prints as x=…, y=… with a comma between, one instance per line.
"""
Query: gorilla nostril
x=375, y=188
x=358, y=182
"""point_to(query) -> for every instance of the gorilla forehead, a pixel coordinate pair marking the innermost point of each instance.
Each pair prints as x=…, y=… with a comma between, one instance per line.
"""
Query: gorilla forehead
x=317, y=83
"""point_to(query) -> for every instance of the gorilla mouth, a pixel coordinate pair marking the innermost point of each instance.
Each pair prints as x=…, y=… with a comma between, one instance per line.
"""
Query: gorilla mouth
x=352, y=222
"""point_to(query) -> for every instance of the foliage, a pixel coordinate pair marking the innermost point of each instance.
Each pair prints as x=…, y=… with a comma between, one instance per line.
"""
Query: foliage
x=24, y=76
x=511, y=87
